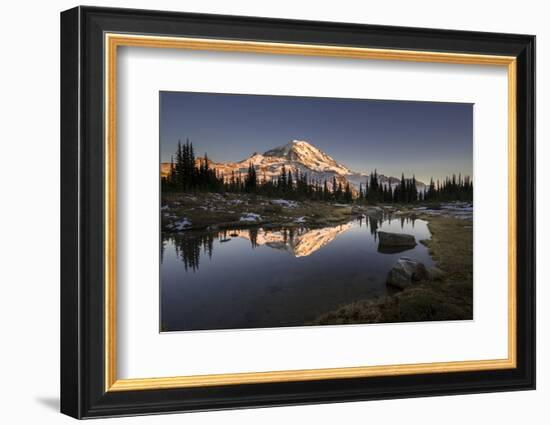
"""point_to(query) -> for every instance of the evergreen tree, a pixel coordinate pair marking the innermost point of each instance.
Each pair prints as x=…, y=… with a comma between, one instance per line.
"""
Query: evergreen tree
x=413, y=190
x=348, y=196
x=339, y=192
x=282, y=180
x=289, y=182
x=326, y=193
x=251, y=179
x=403, y=189
x=179, y=177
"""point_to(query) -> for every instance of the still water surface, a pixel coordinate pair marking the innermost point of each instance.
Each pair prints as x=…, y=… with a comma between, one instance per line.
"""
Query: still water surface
x=256, y=278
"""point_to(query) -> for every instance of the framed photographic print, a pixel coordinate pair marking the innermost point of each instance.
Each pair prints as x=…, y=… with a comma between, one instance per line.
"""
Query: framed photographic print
x=261, y=212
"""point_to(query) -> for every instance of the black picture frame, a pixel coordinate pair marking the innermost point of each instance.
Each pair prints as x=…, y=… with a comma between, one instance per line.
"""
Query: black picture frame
x=83, y=392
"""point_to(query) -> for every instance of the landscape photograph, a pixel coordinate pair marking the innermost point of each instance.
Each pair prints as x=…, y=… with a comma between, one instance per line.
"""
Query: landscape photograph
x=286, y=211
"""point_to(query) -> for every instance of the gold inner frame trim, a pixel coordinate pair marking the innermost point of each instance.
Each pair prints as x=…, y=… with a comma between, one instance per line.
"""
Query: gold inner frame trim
x=113, y=41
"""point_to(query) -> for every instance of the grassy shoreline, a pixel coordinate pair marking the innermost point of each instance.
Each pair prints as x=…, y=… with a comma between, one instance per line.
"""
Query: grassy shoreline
x=448, y=298
x=222, y=211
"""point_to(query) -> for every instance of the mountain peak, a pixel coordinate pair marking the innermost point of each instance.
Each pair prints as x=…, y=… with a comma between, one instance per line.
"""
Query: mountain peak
x=284, y=150
x=299, y=143
x=303, y=152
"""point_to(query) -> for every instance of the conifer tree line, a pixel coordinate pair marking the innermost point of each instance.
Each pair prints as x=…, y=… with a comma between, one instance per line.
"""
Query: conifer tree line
x=406, y=191
x=188, y=174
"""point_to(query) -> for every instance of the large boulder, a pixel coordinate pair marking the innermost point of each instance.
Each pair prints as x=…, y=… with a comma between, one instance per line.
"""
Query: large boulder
x=395, y=242
x=406, y=272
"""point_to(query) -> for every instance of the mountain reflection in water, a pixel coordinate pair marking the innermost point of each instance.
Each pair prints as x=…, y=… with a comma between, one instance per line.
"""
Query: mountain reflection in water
x=298, y=241
x=272, y=277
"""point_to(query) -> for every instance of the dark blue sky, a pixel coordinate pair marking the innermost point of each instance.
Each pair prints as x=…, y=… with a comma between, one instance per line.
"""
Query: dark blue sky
x=424, y=138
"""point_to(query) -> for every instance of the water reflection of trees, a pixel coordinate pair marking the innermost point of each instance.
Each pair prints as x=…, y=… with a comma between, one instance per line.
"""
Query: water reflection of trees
x=373, y=223
x=190, y=246
x=301, y=241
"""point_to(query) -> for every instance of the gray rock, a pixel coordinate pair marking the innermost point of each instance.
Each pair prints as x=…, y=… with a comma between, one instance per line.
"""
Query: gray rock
x=387, y=239
x=406, y=272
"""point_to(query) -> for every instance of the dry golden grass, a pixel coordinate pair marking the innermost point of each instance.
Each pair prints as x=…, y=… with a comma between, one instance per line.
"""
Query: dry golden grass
x=451, y=246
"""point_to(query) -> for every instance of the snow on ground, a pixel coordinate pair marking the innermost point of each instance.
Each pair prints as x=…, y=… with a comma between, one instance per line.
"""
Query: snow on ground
x=458, y=206
x=180, y=224
x=463, y=217
x=250, y=217
x=460, y=210
x=284, y=203
x=300, y=220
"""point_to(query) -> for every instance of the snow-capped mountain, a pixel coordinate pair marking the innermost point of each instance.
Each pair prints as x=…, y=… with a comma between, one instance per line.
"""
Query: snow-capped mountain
x=298, y=157
x=301, y=152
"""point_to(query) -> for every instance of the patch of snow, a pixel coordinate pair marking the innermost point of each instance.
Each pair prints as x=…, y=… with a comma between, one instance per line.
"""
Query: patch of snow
x=458, y=206
x=300, y=220
x=284, y=203
x=459, y=210
x=250, y=217
x=180, y=225
x=463, y=217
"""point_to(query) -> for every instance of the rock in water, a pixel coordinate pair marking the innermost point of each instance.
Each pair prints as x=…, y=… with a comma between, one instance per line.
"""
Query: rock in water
x=406, y=272
x=395, y=240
